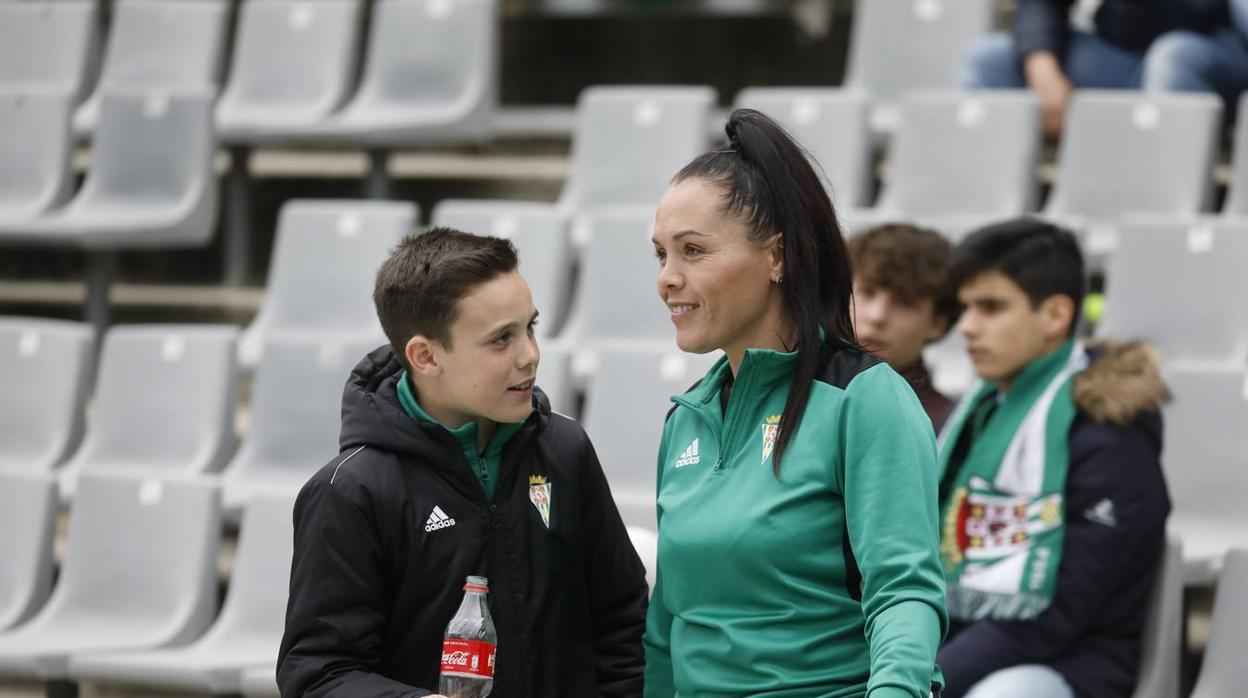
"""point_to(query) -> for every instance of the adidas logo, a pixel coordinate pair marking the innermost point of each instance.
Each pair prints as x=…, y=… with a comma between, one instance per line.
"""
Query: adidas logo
x=690, y=456
x=1102, y=513
x=438, y=519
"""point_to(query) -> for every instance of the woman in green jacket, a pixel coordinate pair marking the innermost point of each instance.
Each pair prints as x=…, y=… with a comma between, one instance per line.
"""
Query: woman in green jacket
x=797, y=481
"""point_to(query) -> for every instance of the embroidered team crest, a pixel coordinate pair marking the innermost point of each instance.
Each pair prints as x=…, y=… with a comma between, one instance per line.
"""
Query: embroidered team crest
x=539, y=494
x=771, y=429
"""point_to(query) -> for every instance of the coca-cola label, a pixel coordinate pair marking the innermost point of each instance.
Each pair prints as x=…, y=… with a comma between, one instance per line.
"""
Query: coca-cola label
x=468, y=658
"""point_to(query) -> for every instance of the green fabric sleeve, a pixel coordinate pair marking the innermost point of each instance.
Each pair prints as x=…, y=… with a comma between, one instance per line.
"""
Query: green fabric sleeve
x=889, y=480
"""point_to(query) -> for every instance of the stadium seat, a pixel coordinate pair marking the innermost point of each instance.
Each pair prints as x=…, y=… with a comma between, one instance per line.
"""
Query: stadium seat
x=1224, y=673
x=832, y=125
x=35, y=149
x=260, y=682
x=293, y=66
x=1161, y=649
x=616, y=296
x=159, y=46
x=139, y=572
x=554, y=377
x=321, y=276
x=1125, y=152
x=430, y=76
x=295, y=416
x=151, y=182
x=27, y=518
x=1237, y=187
x=626, y=400
x=901, y=45
x=49, y=45
x=962, y=159
x=1158, y=288
x=630, y=141
x=163, y=405
x=540, y=233
x=1206, y=462
x=45, y=374
x=248, y=631
x=646, y=543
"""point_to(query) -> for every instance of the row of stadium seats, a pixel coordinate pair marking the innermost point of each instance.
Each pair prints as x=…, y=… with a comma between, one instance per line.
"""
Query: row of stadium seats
x=429, y=67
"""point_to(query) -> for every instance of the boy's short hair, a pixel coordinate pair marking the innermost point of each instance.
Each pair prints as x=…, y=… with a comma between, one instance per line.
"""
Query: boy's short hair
x=908, y=261
x=419, y=286
x=1043, y=259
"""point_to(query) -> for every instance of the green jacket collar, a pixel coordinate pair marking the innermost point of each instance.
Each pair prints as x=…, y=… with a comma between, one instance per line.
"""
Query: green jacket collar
x=760, y=369
x=466, y=435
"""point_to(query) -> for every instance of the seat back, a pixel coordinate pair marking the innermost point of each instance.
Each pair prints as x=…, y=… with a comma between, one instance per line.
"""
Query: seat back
x=45, y=373
x=48, y=44
x=27, y=518
x=35, y=149
x=259, y=585
x=630, y=141
x=1162, y=645
x=1224, y=671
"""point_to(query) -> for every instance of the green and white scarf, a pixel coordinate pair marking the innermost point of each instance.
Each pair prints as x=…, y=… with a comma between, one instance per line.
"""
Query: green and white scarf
x=1002, y=522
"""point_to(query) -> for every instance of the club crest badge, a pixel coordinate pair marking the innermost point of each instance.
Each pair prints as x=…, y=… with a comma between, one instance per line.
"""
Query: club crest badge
x=771, y=429
x=539, y=494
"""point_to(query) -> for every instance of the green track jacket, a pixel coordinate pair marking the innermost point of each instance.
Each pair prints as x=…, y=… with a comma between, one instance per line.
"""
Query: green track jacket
x=824, y=583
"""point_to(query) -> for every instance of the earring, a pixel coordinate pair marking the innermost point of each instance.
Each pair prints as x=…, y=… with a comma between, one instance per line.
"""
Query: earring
x=778, y=279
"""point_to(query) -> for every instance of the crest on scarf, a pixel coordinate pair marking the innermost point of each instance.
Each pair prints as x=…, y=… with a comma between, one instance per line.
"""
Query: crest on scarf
x=539, y=494
x=771, y=429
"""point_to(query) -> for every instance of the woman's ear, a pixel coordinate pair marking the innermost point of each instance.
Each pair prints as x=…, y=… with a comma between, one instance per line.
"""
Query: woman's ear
x=776, y=252
x=421, y=356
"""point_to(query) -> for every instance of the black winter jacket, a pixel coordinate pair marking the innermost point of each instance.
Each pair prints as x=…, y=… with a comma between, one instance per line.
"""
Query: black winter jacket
x=1042, y=25
x=372, y=588
x=1116, y=508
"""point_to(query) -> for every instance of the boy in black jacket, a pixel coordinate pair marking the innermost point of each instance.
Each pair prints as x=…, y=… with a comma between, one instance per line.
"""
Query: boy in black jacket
x=452, y=464
x=1053, y=501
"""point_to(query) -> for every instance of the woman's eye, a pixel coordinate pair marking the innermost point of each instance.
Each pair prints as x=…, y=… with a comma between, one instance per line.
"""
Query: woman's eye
x=501, y=340
x=691, y=251
x=532, y=326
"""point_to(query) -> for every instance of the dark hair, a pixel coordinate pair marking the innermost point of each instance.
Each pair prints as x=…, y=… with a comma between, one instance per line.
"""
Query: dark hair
x=908, y=261
x=1043, y=259
x=420, y=284
x=767, y=180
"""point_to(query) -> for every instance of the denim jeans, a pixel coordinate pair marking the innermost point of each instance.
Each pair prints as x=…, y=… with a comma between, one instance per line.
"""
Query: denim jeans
x=1089, y=62
x=1023, y=681
x=1192, y=62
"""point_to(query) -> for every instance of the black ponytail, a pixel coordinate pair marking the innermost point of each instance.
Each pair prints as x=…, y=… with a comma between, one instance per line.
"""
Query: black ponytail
x=768, y=180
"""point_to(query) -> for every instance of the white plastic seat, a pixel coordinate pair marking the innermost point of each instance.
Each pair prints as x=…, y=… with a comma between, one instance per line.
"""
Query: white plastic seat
x=163, y=405
x=140, y=572
x=833, y=127
x=35, y=149
x=321, y=277
x=430, y=76
x=631, y=141
x=151, y=182
x=1206, y=462
x=963, y=156
x=159, y=46
x=1224, y=672
x=293, y=66
x=900, y=45
x=1158, y=288
x=27, y=519
x=542, y=238
x=1161, y=650
x=261, y=682
x=295, y=416
x=626, y=400
x=48, y=45
x=248, y=631
x=1125, y=152
x=45, y=374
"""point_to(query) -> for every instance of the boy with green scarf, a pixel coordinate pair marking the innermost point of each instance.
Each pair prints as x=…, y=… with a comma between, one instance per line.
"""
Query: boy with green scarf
x=1053, y=504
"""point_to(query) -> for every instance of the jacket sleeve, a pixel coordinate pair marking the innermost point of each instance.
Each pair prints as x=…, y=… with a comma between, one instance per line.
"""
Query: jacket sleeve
x=1041, y=25
x=338, y=604
x=1099, y=554
x=889, y=483
x=617, y=583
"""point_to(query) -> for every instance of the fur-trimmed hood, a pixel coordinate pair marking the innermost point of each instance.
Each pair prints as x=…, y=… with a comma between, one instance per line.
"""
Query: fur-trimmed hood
x=1122, y=381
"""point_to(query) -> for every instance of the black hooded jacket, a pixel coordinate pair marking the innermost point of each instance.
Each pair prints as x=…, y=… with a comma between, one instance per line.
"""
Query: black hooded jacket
x=373, y=585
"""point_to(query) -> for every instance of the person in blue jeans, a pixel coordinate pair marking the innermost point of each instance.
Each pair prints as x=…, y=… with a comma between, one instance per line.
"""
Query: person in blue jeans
x=1187, y=45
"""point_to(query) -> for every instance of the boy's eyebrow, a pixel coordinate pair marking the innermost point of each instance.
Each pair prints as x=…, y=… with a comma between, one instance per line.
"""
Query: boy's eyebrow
x=681, y=234
x=509, y=325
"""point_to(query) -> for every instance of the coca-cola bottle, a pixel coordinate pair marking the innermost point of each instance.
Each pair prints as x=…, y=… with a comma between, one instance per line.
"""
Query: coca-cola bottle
x=468, y=648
